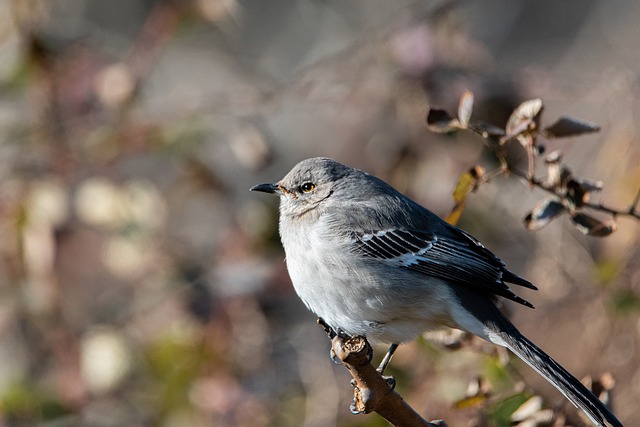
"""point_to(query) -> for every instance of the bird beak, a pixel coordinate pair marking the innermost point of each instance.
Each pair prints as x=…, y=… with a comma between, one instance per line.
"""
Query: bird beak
x=267, y=188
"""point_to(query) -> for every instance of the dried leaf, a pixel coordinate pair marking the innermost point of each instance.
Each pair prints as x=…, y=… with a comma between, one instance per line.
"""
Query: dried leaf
x=554, y=157
x=603, y=386
x=485, y=129
x=588, y=185
x=466, y=183
x=519, y=131
x=465, y=108
x=568, y=126
x=544, y=213
x=527, y=409
x=579, y=189
x=554, y=167
x=440, y=121
x=592, y=226
x=525, y=117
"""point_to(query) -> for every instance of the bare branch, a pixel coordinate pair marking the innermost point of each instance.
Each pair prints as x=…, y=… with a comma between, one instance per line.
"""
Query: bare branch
x=599, y=206
x=371, y=392
x=633, y=209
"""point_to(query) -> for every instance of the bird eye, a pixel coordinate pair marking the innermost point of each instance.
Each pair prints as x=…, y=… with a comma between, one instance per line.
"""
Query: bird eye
x=307, y=187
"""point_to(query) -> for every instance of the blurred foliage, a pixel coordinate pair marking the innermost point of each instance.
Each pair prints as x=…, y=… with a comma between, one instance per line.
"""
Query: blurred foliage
x=142, y=284
x=626, y=301
x=25, y=404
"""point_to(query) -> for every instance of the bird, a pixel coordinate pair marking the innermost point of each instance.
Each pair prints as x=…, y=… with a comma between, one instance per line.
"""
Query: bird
x=371, y=262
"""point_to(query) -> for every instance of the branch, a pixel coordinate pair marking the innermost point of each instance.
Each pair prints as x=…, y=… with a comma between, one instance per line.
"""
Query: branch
x=632, y=210
x=571, y=194
x=371, y=391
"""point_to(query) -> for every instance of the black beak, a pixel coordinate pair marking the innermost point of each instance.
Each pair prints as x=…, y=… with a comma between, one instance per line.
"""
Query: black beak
x=267, y=188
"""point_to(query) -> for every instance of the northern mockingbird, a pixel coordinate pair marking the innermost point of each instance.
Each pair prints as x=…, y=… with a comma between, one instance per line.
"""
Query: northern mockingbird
x=372, y=262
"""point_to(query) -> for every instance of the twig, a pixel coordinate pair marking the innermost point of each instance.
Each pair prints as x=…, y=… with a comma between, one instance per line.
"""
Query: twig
x=599, y=206
x=634, y=205
x=632, y=211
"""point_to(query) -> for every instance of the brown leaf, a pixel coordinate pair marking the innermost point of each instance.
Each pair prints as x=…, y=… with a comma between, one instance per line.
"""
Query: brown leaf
x=554, y=157
x=588, y=185
x=543, y=213
x=440, y=121
x=465, y=108
x=579, y=189
x=554, y=168
x=568, y=126
x=592, y=226
x=525, y=116
x=524, y=122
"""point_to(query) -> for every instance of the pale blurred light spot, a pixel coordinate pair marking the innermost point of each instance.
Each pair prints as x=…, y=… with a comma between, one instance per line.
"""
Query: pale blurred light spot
x=126, y=257
x=105, y=359
x=48, y=204
x=46, y=208
x=146, y=205
x=242, y=277
x=217, y=394
x=217, y=10
x=99, y=202
x=249, y=146
x=413, y=49
x=115, y=85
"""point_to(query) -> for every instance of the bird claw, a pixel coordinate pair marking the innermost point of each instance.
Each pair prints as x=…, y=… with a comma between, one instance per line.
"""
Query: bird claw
x=332, y=333
x=334, y=357
x=328, y=329
x=391, y=381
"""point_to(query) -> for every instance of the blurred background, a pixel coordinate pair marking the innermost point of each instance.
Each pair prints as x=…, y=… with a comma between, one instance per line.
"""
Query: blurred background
x=141, y=284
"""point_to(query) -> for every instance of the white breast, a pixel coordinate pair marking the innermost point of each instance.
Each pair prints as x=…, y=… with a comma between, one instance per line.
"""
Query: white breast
x=360, y=296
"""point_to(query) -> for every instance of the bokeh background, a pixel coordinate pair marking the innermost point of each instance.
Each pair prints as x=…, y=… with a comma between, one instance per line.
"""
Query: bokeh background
x=141, y=284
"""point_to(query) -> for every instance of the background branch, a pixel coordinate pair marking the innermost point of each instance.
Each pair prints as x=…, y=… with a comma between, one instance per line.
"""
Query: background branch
x=571, y=194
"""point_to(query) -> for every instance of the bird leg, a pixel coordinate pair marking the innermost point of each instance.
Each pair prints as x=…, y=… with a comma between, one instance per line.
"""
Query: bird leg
x=383, y=365
x=387, y=358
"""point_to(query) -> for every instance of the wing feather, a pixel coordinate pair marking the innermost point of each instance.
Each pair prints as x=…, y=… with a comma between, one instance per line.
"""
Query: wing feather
x=458, y=258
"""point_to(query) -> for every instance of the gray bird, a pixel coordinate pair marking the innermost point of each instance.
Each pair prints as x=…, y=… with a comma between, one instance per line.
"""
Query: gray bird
x=369, y=261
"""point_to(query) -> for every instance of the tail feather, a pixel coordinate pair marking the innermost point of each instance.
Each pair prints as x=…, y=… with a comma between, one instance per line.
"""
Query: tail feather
x=566, y=383
x=481, y=317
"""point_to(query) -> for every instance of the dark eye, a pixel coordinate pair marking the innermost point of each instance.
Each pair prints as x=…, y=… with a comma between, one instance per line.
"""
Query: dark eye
x=307, y=187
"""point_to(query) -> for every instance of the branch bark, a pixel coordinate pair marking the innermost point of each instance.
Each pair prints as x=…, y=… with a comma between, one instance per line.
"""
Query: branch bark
x=372, y=393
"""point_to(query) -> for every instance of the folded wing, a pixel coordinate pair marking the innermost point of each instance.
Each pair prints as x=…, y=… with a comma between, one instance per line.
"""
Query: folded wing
x=457, y=258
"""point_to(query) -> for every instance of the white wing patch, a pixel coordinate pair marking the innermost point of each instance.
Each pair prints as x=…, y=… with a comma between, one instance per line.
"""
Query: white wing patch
x=396, y=245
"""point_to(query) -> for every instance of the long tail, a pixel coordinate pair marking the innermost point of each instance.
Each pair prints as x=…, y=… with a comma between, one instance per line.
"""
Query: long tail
x=480, y=316
x=551, y=370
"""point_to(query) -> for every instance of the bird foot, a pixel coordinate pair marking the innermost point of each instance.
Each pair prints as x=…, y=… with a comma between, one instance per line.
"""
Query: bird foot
x=390, y=380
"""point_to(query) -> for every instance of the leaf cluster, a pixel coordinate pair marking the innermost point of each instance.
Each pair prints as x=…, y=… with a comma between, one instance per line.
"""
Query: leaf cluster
x=569, y=194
